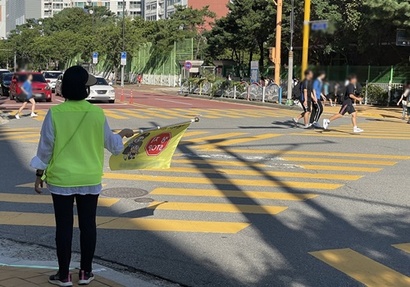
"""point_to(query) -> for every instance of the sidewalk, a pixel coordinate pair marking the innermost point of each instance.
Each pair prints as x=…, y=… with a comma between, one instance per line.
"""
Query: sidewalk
x=20, y=273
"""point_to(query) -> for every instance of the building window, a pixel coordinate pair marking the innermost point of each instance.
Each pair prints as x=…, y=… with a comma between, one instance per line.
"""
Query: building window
x=135, y=14
x=135, y=4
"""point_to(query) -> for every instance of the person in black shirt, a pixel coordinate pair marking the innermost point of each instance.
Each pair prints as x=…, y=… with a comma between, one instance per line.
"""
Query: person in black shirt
x=347, y=107
x=306, y=94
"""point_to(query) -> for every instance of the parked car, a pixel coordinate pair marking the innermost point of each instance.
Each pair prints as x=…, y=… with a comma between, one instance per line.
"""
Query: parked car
x=102, y=91
x=41, y=89
x=51, y=78
x=58, y=85
x=5, y=81
x=4, y=71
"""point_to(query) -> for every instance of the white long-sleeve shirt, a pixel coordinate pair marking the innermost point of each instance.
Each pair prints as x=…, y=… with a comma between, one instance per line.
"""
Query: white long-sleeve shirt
x=112, y=142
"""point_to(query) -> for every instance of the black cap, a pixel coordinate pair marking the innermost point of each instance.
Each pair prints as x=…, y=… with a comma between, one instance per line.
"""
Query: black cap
x=78, y=75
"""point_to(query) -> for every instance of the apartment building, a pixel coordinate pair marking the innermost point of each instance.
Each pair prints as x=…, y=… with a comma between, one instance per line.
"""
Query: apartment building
x=133, y=8
x=16, y=12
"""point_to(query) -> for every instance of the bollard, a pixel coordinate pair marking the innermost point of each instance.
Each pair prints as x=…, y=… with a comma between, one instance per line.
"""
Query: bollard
x=122, y=95
x=131, y=98
x=263, y=94
x=234, y=92
x=280, y=96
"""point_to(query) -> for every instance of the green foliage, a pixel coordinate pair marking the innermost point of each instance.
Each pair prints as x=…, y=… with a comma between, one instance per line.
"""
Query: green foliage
x=76, y=32
x=376, y=95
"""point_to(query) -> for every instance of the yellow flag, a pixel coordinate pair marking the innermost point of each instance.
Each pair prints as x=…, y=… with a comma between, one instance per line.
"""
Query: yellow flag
x=150, y=149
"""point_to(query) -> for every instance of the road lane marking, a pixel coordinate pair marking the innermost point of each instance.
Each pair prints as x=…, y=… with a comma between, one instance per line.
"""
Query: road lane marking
x=329, y=154
x=155, y=113
x=114, y=115
x=210, y=162
x=362, y=268
x=219, y=138
x=239, y=141
x=340, y=168
x=193, y=133
x=233, y=194
x=223, y=181
x=263, y=173
x=218, y=207
x=35, y=198
x=134, y=114
x=123, y=223
x=177, y=102
x=403, y=246
x=354, y=161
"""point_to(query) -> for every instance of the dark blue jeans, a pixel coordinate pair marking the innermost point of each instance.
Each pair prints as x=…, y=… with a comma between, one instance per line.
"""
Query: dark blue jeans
x=86, y=209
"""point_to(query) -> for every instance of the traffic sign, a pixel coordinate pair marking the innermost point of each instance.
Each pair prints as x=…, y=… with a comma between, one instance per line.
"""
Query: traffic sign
x=123, y=58
x=188, y=66
x=254, y=71
x=157, y=144
x=95, y=58
x=319, y=25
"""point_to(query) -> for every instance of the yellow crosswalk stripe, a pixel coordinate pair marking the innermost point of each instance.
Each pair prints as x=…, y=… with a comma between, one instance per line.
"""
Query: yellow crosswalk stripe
x=134, y=113
x=35, y=198
x=18, y=137
x=263, y=173
x=238, y=141
x=354, y=161
x=197, y=112
x=362, y=268
x=217, y=207
x=403, y=246
x=193, y=133
x=175, y=114
x=219, y=137
x=105, y=222
x=233, y=194
x=362, y=136
x=340, y=168
x=156, y=114
x=222, y=181
x=318, y=153
x=113, y=114
x=217, y=162
x=221, y=113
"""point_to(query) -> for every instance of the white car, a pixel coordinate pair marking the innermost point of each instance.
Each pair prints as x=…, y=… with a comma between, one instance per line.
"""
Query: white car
x=51, y=78
x=102, y=91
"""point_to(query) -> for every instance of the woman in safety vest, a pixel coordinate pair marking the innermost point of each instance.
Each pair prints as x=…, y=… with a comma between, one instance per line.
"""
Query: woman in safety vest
x=70, y=160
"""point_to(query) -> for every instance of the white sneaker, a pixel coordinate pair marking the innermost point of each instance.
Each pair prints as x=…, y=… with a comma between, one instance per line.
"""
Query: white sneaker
x=357, y=130
x=307, y=126
x=17, y=116
x=295, y=121
x=326, y=123
x=33, y=115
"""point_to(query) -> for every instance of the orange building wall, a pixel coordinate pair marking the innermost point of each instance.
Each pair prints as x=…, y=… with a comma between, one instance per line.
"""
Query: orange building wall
x=216, y=6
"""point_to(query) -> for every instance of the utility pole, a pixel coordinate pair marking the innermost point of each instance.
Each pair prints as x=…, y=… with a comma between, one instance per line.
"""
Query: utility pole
x=306, y=30
x=123, y=41
x=279, y=6
x=290, y=60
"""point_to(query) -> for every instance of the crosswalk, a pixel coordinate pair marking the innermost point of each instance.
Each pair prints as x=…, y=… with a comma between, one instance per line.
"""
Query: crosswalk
x=215, y=174
x=180, y=113
x=373, y=129
x=364, y=269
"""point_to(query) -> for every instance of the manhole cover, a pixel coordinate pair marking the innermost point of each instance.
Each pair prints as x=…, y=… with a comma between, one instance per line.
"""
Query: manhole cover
x=124, y=192
x=143, y=200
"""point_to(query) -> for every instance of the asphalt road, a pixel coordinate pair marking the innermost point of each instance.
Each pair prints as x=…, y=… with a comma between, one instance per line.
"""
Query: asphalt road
x=249, y=200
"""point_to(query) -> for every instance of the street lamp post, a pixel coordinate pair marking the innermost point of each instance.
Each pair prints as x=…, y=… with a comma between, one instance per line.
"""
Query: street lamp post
x=123, y=41
x=278, y=41
x=290, y=60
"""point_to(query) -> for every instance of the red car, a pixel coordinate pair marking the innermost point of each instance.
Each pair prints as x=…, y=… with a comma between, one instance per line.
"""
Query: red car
x=41, y=89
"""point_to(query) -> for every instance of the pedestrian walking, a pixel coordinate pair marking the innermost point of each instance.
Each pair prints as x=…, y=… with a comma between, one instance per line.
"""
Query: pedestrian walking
x=305, y=99
x=347, y=107
x=404, y=101
x=27, y=91
x=318, y=96
x=70, y=160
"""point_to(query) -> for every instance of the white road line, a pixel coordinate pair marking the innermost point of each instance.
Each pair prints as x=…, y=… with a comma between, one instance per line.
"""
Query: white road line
x=174, y=102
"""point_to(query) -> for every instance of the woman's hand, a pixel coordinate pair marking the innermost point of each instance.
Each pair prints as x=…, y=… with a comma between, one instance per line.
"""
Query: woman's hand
x=38, y=185
x=126, y=133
